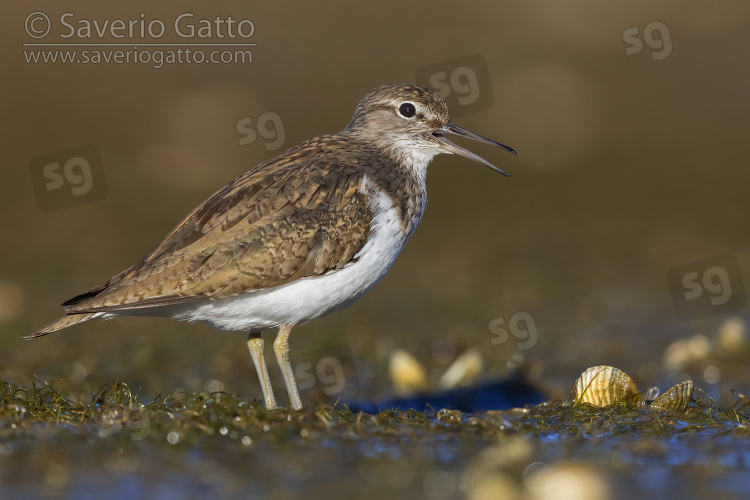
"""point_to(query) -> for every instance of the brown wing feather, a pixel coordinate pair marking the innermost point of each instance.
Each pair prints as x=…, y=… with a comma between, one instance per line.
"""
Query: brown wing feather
x=298, y=215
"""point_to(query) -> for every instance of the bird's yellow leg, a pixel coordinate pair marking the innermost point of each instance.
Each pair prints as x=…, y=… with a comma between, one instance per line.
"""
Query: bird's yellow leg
x=255, y=344
x=281, y=348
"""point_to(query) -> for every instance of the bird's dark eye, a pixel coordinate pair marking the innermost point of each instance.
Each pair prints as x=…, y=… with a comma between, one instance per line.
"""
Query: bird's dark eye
x=407, y=110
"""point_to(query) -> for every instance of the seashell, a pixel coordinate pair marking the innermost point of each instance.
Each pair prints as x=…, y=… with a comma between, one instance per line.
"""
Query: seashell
x=684, y=352
x=566, y=479
x=675, y=399
x=732, y=336
x=465, y=370
x=606, y=386
x=407, y=374
x=652, y=393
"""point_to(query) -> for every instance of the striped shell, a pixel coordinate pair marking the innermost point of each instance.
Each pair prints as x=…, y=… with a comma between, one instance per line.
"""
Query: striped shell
x=606, y=386
x=675, y=399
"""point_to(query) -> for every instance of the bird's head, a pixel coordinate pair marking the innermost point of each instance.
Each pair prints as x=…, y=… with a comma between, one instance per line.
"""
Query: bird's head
x=409, y=120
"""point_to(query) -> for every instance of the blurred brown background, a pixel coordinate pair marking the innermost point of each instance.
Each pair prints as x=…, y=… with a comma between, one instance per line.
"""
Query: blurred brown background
x=628, y=166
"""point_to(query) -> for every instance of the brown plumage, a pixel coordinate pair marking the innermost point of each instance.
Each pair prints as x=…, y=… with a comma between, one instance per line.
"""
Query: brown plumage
x=305, y=214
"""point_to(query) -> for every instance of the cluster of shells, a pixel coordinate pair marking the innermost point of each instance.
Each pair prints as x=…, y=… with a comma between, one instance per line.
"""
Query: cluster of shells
x=608, y=386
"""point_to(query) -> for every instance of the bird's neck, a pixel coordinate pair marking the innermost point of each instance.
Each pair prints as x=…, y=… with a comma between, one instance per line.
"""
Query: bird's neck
x=404, y=180
x=395, y=167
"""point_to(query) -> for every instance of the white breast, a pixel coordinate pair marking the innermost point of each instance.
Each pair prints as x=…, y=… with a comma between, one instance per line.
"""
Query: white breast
x=309, y=298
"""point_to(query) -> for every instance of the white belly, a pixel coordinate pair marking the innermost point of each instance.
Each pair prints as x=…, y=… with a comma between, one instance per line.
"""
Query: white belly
x=306, y=298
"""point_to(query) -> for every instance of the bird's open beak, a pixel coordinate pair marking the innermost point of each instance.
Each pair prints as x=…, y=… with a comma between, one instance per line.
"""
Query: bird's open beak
x=450, y=147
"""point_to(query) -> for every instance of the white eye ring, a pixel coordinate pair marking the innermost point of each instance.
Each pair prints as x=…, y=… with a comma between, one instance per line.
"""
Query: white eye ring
x=407, y=110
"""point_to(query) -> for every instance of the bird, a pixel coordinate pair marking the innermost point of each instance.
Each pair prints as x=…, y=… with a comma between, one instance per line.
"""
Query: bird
x=301, y=235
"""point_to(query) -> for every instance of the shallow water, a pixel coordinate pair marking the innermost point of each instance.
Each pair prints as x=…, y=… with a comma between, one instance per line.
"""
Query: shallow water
x=630, y=121
x=223, y=447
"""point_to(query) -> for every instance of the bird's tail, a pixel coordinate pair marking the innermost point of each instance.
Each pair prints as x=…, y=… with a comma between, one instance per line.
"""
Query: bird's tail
x=60, y=323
